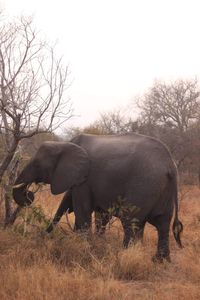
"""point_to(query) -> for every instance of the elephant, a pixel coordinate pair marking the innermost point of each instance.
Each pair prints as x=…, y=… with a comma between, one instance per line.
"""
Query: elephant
x=131, y=176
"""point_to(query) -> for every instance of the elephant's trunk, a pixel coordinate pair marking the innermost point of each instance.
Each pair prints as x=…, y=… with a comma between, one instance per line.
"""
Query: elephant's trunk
x=21, y=195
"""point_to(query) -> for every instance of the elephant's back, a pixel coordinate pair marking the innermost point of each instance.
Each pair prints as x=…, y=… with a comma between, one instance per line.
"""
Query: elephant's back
x=108, y=144
x=127, y=159
x=124, y=147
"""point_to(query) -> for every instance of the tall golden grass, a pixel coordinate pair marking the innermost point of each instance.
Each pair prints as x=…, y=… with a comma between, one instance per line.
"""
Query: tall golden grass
x=65, y=265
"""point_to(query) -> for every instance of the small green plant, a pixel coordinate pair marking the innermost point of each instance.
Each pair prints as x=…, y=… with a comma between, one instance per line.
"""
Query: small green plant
x=121, y=208
x=124, y=209
x=32, y=216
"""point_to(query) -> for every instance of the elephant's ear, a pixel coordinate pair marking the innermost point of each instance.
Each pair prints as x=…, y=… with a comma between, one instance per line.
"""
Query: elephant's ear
x=72, y=168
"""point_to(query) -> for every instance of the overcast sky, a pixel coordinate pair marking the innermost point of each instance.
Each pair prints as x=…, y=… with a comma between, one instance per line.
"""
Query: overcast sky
x=116, y=48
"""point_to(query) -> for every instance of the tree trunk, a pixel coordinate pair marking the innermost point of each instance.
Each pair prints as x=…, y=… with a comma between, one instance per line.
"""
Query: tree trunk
x=9, y=209
x=7, y=187
x=7, y=160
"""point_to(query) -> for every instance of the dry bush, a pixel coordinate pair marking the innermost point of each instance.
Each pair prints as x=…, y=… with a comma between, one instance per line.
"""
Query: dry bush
x=67, y=265
x=133, y=263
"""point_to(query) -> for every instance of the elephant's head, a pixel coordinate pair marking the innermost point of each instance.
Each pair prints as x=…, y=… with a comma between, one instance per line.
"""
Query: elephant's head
x=60, y=164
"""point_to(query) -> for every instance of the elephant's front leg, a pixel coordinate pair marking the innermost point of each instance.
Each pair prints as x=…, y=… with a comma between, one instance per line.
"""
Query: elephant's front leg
x=65, y=204
x=82, y=207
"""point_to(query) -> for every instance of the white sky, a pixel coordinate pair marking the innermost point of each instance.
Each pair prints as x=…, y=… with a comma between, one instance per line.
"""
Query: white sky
x=116, y=48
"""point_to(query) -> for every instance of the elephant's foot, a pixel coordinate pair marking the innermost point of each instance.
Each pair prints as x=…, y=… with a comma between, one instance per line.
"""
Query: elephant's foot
x=131, y=240
x=126, y=242
x=83, y=227
x=161, y=257
x=100, y=232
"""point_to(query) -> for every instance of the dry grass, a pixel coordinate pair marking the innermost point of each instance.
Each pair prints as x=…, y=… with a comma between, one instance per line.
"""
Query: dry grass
x=64, y=265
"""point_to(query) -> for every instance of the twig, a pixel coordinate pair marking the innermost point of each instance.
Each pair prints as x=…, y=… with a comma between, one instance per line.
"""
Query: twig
x=67, y=218
x=25, y=221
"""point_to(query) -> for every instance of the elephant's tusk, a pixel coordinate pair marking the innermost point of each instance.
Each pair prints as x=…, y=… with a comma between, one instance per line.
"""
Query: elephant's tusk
x=37, y=187
x=20, y=185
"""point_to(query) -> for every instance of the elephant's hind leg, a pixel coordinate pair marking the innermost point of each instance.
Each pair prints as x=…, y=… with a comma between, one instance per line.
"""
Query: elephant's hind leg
x=133, y=231
x=162, y=225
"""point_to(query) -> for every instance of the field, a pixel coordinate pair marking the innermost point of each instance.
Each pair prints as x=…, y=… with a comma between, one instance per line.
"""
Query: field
x=65, y=265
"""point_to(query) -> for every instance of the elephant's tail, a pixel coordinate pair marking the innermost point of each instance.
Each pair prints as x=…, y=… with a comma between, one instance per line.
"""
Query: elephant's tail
x=177, y=229
x=177, y=225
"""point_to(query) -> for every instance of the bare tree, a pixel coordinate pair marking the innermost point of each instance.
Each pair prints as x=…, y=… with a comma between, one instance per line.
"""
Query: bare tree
x=33, y=85
x=113, y=122
x=171, y=112
x=176, y=104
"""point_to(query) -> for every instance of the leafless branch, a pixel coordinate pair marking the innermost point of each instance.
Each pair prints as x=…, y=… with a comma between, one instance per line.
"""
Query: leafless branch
x=33, y=84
